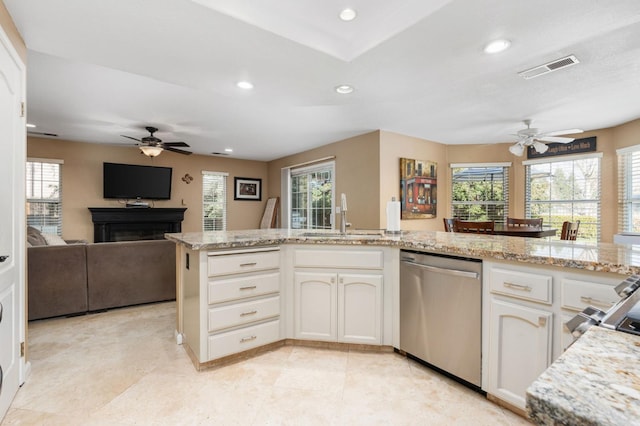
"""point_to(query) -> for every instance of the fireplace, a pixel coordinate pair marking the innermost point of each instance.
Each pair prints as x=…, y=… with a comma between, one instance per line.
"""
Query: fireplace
x=128, y=224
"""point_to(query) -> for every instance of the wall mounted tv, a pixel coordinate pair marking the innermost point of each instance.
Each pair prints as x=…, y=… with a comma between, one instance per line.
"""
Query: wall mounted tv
x=128, y=181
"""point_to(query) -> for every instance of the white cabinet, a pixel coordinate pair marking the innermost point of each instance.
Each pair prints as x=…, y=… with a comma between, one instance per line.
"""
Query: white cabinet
x=524, y=311
x=230, y=301
x=520, y=348
x=338, y=295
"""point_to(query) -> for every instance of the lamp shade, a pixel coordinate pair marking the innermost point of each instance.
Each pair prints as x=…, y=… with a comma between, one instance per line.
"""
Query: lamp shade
x=151, y=151
x=540, y=147
x=517, y=149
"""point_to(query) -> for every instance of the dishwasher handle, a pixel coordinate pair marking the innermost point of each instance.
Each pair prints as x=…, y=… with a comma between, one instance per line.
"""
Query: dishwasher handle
x=446, y=271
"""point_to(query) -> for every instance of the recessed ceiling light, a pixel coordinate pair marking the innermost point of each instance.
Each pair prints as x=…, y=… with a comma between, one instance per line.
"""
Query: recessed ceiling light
x=344, y=89
x=497, y=46
x=228, y=150
x=246, y=85
x=31, y=126
x=348, y=15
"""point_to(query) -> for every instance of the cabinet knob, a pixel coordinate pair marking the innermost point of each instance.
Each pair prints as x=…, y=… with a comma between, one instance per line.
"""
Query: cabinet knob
x=3, y=258
x=542, y=321
x=333, y=280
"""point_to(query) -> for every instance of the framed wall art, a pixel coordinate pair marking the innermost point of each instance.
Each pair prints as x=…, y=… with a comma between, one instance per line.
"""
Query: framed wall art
x=247, y=189
x=418, y=189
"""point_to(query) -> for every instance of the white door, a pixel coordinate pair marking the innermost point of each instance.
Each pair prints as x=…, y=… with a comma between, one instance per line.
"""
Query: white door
x=12, y=222
x=315, y=307
x=360, y=308
x=520, y=349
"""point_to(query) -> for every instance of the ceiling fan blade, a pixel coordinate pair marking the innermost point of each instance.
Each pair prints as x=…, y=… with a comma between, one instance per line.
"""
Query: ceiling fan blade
x=176, y=144
x=179, y=151
x=563, y=132
x=129, y=137
x=555, y=139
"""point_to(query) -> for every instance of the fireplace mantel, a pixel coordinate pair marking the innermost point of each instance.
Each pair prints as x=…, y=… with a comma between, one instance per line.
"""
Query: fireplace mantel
x=125, y=224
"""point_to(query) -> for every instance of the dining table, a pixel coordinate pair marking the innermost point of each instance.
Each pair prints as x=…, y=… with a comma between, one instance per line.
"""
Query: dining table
x=523, y=231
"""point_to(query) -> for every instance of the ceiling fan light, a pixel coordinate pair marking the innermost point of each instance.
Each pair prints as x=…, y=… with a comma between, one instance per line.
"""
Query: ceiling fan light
x=540, y=147
x=517, y=149
x=151, y=151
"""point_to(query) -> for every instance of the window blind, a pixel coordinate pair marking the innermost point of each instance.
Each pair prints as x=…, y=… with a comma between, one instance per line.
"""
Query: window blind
x=214, y=201
x=629, y=189
x=480, y=191
x=565, y=189
x=44, y=195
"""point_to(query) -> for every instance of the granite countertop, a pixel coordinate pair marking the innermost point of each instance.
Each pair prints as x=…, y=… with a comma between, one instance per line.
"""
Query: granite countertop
x=600, y=257
x=595, y=382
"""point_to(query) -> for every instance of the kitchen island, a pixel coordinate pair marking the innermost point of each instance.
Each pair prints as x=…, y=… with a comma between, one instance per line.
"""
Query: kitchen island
x=530, y=287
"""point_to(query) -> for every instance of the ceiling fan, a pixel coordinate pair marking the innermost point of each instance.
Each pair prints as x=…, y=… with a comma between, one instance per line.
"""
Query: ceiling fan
x=533, y=137
x=152, y=146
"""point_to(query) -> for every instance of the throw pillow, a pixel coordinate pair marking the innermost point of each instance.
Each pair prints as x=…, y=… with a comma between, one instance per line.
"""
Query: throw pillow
x=54, y=240
x=34, y=237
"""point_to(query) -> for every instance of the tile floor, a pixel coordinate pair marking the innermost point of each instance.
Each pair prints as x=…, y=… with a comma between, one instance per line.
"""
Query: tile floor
x=123, y=367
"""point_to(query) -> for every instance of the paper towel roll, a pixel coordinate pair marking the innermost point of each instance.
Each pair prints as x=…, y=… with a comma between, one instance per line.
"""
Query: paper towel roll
x=393, y=216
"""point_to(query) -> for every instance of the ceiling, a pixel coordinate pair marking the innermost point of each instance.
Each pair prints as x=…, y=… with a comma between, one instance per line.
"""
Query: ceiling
x=101, y=69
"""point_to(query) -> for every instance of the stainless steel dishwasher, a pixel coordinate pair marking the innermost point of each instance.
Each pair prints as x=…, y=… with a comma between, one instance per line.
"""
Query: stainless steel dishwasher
x=440, y=313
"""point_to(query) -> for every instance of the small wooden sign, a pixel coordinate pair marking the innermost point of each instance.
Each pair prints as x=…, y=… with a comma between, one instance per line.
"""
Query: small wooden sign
x=576, y=147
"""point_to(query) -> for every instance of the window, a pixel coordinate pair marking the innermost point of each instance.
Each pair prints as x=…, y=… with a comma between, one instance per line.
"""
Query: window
x=629, y=189
x=563, y=189
x=312, y=197
x=480, y=191
x=214, y=201
x=44, y=195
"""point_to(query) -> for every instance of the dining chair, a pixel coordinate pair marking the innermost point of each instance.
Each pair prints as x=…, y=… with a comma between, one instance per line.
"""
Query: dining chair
x=478, y=227
x=448, y=224
x=512, y=221
x=569, y=230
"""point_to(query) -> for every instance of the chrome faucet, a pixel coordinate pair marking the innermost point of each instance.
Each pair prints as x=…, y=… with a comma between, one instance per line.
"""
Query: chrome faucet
x=343, y=214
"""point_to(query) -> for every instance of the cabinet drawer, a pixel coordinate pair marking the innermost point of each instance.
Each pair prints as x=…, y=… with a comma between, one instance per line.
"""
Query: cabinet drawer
x=245, y=338
x=358, y=259
x=222, y=290
x=523, y=285
x=577, y=295
x=244, y=262
x=243, y=313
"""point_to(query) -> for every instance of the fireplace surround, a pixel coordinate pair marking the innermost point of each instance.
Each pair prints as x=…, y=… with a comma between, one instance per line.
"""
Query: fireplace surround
x=129, y=224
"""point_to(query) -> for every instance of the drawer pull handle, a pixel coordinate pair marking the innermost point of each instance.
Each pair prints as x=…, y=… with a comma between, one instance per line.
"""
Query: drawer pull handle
x=517, y=286
x=249, y=287
x=248, y=339
x=244, y=314
x=591, y=300
x=244, y=265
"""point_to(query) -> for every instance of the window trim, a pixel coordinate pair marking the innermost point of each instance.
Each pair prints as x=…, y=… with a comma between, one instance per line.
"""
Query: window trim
x=225, y=175
x=506, y=181
x=59, y=162
x=559, y=159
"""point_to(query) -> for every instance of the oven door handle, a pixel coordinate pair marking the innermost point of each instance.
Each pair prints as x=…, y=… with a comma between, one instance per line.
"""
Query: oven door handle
x=446, y=271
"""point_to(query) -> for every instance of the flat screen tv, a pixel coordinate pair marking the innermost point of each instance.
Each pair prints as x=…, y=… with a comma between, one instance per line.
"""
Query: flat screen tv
x=128, y=181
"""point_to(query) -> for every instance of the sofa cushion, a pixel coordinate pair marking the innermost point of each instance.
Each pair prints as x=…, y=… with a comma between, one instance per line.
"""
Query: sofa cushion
x=54, y=240
x=35, y=237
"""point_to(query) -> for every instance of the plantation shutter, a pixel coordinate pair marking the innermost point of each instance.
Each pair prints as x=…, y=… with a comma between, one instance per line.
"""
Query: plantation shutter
x=629, y=189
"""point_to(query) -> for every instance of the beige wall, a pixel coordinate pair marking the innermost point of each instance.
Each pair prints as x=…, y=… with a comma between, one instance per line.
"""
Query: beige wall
x=394, y=146
x=82, y=183
x=357, y=162
x=12, y=32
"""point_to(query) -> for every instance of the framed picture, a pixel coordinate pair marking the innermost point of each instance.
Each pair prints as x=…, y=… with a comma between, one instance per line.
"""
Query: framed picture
x=247, y=189
x=418, y=188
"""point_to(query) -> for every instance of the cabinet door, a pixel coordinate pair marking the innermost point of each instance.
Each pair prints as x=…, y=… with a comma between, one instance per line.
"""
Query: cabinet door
x=316, y=299
x=520, y=349
x=360, y=308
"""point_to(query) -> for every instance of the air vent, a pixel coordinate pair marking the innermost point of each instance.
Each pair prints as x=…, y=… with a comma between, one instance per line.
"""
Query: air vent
x=51, y=135
x=549, y=67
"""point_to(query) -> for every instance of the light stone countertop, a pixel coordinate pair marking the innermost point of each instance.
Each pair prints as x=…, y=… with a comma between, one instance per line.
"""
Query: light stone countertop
x=601, y=257
x=595, y=382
